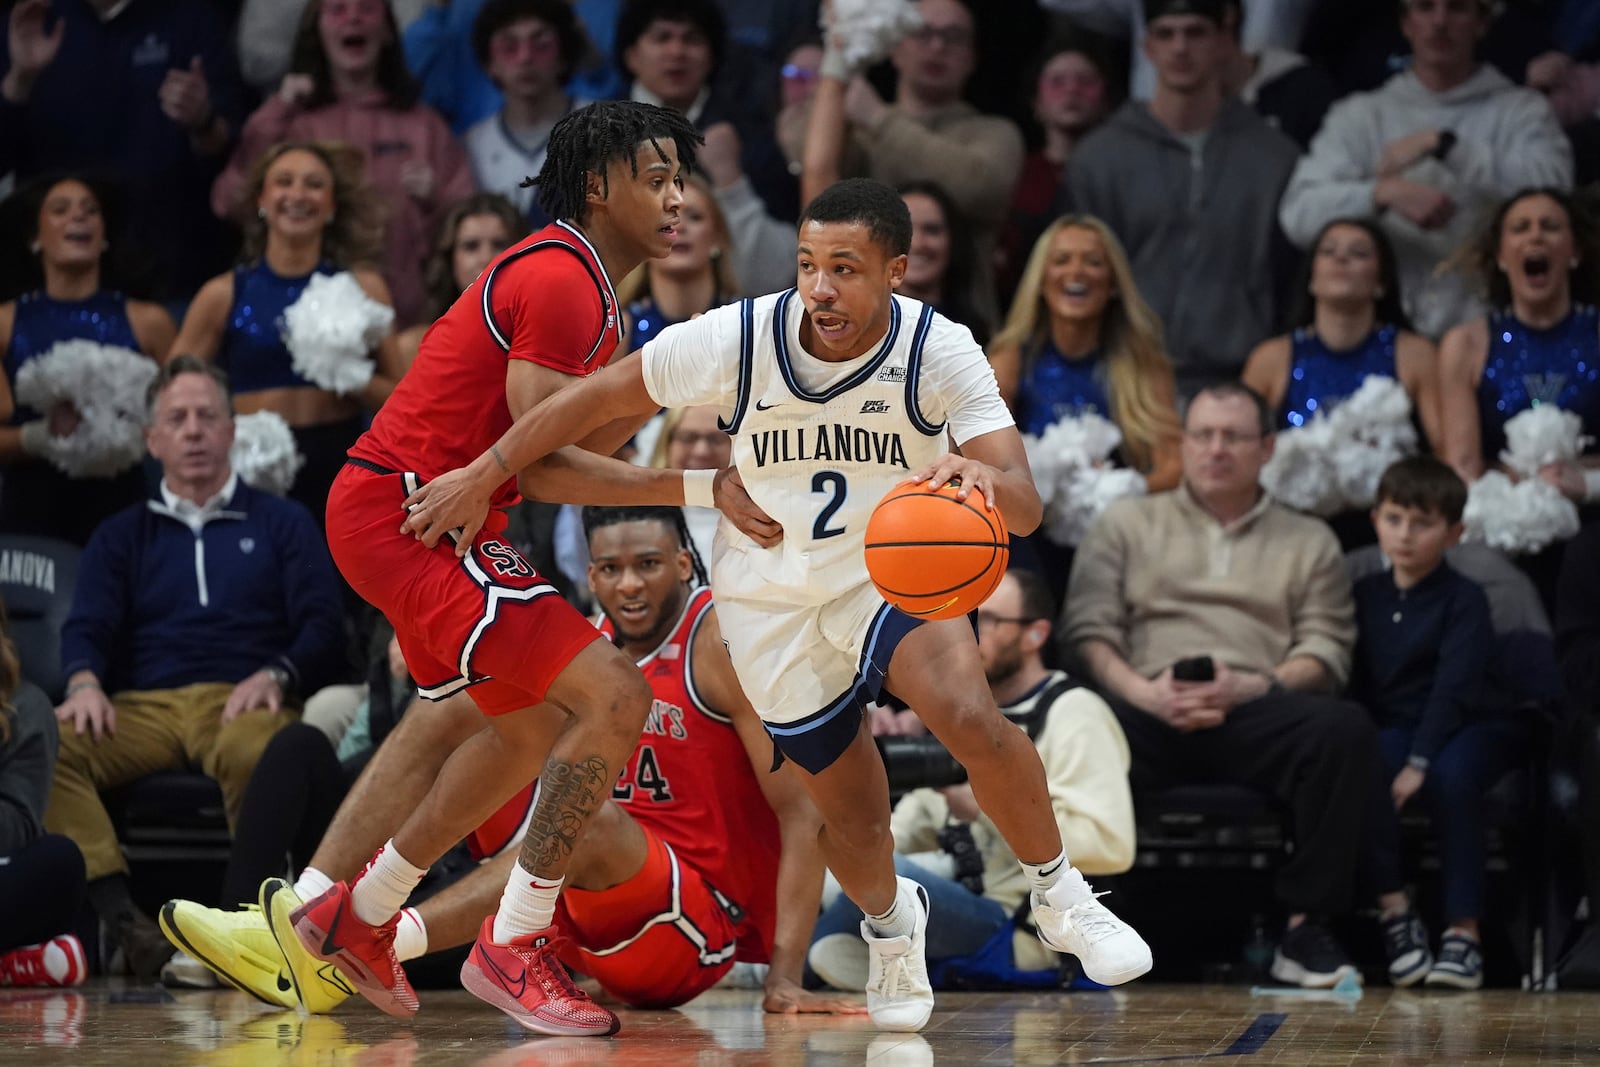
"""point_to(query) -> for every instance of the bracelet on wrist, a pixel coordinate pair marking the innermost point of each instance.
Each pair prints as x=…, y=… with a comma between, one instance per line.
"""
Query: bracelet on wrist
x=78, y=687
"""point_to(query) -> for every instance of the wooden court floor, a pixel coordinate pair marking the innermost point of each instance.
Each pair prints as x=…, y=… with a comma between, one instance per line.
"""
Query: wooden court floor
x=110, y=1022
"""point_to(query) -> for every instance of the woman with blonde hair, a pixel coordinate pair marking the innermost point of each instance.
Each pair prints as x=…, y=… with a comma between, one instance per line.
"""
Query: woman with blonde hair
x=309, y=213
x=1080, y=339
x=694, y=278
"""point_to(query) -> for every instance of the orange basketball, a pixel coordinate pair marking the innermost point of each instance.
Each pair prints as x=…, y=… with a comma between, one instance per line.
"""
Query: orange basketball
x=932, y=555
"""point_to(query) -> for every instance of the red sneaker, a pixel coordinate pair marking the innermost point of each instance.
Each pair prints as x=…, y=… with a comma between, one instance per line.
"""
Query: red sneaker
x=525, y=980
x=57, y=962
x=327, y=926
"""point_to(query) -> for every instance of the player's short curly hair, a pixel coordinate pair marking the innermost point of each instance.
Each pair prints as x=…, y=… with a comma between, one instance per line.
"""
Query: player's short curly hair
x=869, y=202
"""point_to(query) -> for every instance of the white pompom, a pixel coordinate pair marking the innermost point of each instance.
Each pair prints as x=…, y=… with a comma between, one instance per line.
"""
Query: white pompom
x=263, y=452
x=331, y=330
x=867, y=30
x=1075, y=480
x=1542, y=435
x=1517, y=517
x=1301, y=473
x=107, y=384
x=1334, y=462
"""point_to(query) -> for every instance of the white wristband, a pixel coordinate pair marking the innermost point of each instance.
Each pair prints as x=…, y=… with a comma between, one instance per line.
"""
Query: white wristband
x=1591, y=484
x=698, y=489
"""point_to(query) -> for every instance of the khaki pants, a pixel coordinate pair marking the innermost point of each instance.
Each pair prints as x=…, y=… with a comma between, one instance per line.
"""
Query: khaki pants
x=156, y=730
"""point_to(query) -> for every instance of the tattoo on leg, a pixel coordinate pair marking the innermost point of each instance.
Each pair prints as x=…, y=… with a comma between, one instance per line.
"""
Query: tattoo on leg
x=568, y=794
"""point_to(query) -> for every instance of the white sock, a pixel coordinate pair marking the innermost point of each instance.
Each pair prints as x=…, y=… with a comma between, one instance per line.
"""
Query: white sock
x=1043, y=875
x=899, y=921
x=381, y=889
x=410, y=935
x=311, y=883
x=527, y=905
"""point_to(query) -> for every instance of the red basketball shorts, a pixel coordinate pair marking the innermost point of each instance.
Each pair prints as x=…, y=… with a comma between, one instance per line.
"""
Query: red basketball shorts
x=487, y=620
x=658, y=940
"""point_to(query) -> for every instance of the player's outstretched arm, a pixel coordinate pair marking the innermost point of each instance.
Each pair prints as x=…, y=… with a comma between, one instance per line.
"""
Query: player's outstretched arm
x=800, y=863
x=995, y=465
x=556, y=410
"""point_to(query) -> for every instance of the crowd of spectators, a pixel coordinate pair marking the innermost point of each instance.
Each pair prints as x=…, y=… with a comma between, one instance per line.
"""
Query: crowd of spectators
x=1173, y=197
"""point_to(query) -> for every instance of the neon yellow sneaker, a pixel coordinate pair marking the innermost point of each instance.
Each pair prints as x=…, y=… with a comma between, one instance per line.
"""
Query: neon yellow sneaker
x=320, y=985
x=237, y=946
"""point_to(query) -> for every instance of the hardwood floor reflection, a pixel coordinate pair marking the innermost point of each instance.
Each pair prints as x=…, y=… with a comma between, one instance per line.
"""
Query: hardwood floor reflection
x=110, y=1022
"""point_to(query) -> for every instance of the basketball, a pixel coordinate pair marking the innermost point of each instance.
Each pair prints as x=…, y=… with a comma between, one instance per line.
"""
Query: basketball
x=935, y=556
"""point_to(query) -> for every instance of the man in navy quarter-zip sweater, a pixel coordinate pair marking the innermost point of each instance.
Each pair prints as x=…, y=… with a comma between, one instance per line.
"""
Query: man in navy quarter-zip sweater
x=198, y=617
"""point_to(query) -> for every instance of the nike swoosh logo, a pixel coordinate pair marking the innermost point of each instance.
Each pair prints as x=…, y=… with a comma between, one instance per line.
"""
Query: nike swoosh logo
x=521, y=980
x=329, y=946
x=760, y=406
x=331, y=975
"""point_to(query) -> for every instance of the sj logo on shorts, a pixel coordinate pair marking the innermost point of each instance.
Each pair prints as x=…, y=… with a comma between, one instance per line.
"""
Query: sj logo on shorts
x=506, y=561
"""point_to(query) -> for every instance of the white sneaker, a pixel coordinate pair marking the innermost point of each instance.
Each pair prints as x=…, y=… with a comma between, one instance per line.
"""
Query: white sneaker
x=183, y=971
x=1070, y=919
x=842, y=961
x=899, y=995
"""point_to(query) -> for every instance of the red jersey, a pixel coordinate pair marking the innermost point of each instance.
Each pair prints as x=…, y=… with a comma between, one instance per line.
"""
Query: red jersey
x=690, y=782
x=546, y=300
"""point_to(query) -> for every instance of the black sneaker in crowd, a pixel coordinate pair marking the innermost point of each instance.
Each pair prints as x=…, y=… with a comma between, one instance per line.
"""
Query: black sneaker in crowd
x=1405, y=942
x=1308, y=956
x=1460, y=964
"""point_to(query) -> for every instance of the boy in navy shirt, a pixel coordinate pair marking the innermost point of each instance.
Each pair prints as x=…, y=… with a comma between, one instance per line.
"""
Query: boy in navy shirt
x=1424, y=644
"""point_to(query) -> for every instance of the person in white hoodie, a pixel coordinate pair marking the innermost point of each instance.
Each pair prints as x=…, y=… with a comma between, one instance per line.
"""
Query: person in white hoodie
x=1430, y=152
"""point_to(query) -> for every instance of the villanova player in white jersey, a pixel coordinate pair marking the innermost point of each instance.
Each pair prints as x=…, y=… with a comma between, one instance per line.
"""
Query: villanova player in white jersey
x=834, y=392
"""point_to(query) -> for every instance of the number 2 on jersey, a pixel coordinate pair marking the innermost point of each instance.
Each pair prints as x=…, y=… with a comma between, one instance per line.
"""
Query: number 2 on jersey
x=832, y=483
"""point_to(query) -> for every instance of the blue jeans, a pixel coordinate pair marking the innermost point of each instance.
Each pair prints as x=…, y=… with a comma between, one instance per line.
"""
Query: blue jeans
x=1465, y=769
x=961, y=922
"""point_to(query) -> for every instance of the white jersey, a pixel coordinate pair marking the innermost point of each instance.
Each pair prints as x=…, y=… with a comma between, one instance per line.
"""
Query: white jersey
x=817, y=443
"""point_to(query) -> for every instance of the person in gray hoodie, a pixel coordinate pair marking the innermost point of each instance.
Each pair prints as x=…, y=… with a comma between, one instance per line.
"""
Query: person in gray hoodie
x=1190, y=184
x=1430, y=152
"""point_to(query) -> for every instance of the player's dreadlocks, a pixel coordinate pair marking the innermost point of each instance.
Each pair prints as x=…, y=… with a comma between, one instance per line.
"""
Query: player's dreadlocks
x=596, y=518
x=588, y=139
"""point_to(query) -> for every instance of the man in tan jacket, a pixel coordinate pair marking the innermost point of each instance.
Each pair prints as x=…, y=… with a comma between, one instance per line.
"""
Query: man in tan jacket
x=1219, y=624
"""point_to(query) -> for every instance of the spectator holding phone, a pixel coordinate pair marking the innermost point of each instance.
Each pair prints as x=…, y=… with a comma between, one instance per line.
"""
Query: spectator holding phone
x=1217, y=624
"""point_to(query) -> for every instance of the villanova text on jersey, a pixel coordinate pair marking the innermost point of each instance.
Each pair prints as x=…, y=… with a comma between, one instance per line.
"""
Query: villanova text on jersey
x=828, y=442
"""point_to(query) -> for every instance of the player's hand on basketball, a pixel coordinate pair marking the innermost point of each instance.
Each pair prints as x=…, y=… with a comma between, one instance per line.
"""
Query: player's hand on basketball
x=784, y=997
x=733, y=501
x=88, y=710
x=973, y=476
x=453, y=501
x=258, y=691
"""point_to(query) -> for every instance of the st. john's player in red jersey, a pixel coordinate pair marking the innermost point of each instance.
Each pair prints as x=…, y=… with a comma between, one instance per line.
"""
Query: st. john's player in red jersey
x=542, y=315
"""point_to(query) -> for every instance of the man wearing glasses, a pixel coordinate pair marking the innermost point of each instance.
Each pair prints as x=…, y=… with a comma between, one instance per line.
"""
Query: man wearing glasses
x=1218, y=623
